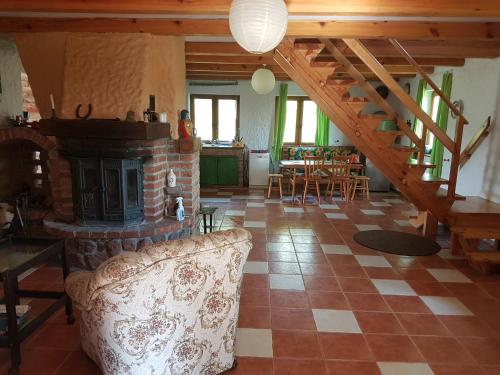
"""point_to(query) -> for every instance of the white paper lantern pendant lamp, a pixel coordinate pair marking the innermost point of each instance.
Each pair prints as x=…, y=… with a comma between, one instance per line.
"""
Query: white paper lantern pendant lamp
x=263, y=81
x=258, y=25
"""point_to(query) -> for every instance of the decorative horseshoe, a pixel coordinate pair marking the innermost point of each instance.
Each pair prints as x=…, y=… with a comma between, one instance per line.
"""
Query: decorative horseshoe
x=87, y=115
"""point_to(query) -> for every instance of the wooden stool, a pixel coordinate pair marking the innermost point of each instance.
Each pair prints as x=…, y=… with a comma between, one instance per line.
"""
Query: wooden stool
x=361, y=184
x=272, y=178
x=207, y=211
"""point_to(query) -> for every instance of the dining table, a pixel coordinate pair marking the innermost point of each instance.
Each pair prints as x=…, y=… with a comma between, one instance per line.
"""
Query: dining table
x=359, y=168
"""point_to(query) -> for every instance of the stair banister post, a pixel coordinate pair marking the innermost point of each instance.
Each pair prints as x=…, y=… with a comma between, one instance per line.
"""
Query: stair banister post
x=455, y=157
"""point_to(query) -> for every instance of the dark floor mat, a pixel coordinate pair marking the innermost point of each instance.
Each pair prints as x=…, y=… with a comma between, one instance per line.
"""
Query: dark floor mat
x=399, y=243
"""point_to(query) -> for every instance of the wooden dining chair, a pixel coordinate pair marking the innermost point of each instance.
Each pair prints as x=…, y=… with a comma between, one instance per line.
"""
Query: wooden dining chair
x=340, y=175
x=313, y=174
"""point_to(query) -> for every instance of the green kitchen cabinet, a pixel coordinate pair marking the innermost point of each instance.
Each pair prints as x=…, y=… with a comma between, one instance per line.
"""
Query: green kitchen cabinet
x=219, y=170
x=227, y=171
x=208, y=170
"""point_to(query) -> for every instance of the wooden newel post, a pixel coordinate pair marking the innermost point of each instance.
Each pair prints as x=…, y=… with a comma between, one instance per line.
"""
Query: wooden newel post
x=455, y=159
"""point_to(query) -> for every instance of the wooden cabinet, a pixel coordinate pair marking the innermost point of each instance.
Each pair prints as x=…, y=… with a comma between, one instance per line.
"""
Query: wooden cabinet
x=219, y=170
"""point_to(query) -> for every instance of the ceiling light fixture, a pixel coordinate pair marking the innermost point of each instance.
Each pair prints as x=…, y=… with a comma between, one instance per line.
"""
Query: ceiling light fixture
x=263, y=81
x=258, y=25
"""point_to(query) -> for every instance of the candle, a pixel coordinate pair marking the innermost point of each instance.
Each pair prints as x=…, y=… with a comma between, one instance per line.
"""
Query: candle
x=53, y=106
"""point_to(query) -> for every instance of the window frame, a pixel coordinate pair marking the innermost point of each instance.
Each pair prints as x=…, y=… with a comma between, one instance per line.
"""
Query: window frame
x=215, y=111
x=299, y=120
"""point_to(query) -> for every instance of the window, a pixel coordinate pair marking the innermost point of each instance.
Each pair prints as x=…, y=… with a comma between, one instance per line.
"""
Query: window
x=430, y=104
x=216, y=117
x=300, y=122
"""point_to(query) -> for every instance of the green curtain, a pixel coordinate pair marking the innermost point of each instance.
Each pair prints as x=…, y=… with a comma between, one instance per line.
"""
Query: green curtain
x=322, y=128
x=422, y=86
x=442, y=122
x=279, y=122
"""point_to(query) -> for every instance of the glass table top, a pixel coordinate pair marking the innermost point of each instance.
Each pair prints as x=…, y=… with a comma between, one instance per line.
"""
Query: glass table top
x=14, y=255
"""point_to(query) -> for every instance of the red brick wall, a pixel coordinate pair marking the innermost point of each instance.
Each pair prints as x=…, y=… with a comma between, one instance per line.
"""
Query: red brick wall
x=187, y=169
x=154, y=180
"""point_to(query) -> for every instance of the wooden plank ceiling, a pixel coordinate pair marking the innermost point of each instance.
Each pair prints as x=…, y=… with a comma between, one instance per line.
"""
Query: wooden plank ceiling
x=434, y=8
x=442, y=41
x=227, y=61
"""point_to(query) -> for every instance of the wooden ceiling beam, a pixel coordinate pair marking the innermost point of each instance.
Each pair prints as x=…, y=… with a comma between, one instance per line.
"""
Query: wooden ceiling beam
x=380, y=48
x=219, y=76
x=220, y=27
x=418, y=48
x=321, y=61
x=201, y=67
x=423, y=61
x=436, y=8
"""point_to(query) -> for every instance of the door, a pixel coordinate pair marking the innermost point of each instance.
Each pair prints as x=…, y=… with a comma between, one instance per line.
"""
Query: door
x=88, y=185
x=228, y=171
x=208, y=170
x=113, y=195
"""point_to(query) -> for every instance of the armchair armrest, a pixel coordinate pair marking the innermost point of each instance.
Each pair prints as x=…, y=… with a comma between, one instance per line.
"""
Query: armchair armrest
x=77, y=287
x=194, y=245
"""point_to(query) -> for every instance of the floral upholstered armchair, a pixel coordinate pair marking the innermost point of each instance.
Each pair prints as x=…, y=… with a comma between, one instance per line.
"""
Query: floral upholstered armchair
x=168, y=309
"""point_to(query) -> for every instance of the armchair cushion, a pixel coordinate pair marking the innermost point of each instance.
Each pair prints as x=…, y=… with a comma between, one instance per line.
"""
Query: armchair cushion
x=170, y=308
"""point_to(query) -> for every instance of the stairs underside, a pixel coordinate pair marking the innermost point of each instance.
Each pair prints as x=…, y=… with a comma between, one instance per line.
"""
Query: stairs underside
x=331, y=94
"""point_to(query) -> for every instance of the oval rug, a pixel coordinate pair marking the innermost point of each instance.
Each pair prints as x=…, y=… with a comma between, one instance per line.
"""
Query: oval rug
x=400, y=243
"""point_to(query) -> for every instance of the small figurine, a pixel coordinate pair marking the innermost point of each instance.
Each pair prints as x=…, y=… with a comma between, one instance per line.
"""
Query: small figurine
x=171, y=178
x=185, y=125
x=179, y=212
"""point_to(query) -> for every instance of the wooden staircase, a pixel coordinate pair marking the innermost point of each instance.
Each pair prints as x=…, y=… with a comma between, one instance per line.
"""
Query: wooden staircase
x=403, y=163
x=331, y=93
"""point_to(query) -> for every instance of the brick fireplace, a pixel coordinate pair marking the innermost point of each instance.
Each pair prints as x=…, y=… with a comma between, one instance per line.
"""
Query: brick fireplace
x=115, y=74
x=89, y=245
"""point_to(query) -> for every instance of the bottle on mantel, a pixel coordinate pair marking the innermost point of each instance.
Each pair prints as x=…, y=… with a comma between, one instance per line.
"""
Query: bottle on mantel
x=171, y=178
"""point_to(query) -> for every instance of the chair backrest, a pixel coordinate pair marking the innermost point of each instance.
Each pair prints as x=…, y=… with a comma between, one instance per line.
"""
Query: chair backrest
x=313, y=166
x=345, y=159
x=340, y=169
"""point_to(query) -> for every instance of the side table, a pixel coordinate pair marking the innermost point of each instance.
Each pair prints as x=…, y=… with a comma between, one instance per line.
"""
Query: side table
x=18, y=255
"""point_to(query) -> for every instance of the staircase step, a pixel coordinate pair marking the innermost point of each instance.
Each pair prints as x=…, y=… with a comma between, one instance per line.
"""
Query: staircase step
x=418, y=168
x=483, y=261
x=432, y=182
x=373, y=121
x=413, y=163
x=310, y=48
x=340, y=85
x=443, y=194
x=434, y=179
x=325, y=64
x=388, y=137
x=325, y=72
x=356, y=103
x=403, y=152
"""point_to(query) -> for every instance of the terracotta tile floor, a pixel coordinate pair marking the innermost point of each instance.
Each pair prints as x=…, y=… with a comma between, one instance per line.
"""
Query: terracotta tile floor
x=319, y=303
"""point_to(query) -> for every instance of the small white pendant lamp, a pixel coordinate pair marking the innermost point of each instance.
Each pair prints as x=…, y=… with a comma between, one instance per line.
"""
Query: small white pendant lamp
x=263, y=81
x=258, y=25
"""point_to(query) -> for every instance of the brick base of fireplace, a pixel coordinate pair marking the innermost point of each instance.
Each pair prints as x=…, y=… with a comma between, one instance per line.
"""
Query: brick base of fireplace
x=87, y=247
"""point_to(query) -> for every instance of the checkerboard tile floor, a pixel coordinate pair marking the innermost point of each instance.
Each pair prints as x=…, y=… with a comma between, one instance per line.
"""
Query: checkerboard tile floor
x=315, y=302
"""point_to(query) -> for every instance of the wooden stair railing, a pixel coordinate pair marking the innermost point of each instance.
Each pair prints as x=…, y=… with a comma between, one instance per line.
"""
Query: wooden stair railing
x=426, y=77
x=371, y=61
x=475, y=142
x=461, y=120
x=370, y=90
x=454, y=146
x=332, y=96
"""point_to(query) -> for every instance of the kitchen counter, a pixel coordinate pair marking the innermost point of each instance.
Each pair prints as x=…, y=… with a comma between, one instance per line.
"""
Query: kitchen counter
x=225, y=147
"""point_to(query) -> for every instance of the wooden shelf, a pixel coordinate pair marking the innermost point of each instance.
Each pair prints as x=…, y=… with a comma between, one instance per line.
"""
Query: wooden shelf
x=104, y=129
